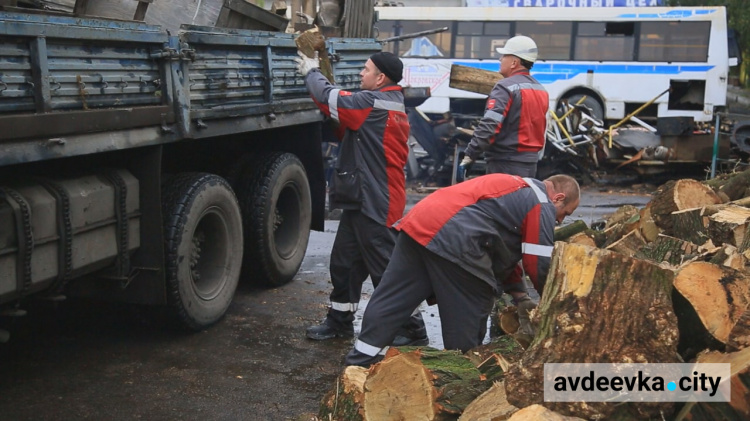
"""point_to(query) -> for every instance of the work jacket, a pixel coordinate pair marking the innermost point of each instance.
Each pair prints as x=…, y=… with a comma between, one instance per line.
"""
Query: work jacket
x=514, y=123
x=487, y=225
x=374, y=131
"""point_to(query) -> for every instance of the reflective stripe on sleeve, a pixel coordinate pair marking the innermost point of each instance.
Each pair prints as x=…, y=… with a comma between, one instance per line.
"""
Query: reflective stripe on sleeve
x=494, y=116
x=333, y=103
x=389, y=105
x=536, y=249
x=368, y=349
x=345, y=306
x=539, y=193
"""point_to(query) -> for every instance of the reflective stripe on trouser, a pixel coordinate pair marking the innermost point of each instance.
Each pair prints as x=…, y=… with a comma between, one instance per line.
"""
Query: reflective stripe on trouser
x=413, y=275
x=521, y=169
x=362, y=248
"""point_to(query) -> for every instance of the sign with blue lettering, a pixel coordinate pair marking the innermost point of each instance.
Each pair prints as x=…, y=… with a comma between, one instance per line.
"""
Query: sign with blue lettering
x=564, y=3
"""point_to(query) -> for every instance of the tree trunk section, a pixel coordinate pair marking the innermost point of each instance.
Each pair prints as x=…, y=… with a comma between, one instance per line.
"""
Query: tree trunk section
x=538, y=412
x=690, y=225
x=311, y=41
x=732, y=187
x=472, y=79
x=728, y=225
x=669, y=249
x=492, y=405
x=738, y=408
x=677, y=195
x=424, y=384
x=621, y=215
x=570, y=230
x=647, y=226
x=629, y=245
x=718, y=295
x=601, y=307
x=583, y=238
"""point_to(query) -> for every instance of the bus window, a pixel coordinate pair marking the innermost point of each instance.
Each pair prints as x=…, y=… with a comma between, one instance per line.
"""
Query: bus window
x=605, y=41
x=480, y=39
x=435, y=45
x=552, y=38
x=674, y=41
x=386, y=29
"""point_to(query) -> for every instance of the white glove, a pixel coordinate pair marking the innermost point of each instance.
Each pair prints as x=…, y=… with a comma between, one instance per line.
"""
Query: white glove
x=466, y=161
x=305, y=63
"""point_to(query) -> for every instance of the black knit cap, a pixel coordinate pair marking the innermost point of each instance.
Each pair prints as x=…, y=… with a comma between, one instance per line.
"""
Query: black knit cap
x=389, y=64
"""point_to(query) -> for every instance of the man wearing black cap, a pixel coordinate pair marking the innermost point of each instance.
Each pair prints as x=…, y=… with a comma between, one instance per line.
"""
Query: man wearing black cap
x=368, y=185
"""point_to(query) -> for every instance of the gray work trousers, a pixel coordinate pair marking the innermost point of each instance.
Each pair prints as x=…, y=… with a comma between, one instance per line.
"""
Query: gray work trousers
x=415, y=274
x=521, y=169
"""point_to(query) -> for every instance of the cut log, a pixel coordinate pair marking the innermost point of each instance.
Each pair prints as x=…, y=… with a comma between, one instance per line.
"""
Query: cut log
x=669, y=249
x=718, y=295
x=728, y=256
x=690, y=225
x=582, y=238
x=622, y=214
x=647, y=226
x=728, y=225
x=472, y=79
x=570, y=230
x=425, y=384
x=492, y=405
x=738, y=408
x=732, y=186
x=311, y=41
x=598, y=307
x=629, y=245
x=538, y=412
x=677, y=195
x=739, y=337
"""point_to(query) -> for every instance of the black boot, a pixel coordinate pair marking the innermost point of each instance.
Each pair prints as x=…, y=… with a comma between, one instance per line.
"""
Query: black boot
x=338, y=324
x=413, y=333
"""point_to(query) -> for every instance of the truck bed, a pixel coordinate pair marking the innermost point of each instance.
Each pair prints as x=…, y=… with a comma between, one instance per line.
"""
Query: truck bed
x=75, y=86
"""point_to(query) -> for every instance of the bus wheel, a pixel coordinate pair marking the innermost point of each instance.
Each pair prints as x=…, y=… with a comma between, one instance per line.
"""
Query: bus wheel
x=202, y=247
x=276, y=207
x=591, y=102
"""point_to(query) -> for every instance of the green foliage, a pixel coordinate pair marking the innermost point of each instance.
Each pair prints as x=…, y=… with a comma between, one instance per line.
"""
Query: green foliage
x=738, y=14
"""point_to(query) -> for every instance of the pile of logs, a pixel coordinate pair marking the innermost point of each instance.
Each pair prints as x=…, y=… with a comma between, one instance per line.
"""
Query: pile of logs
x=668, y=283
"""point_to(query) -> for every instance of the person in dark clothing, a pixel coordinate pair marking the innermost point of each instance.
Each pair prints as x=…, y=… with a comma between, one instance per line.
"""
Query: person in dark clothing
x=368, y=184
x=460, y=245
x=512, y=131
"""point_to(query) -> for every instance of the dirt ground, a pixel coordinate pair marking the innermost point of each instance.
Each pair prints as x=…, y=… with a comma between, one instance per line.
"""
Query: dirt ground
x=93, y=361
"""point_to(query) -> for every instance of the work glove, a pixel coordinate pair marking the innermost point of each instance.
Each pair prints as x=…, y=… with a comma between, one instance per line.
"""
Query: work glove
x=305, y=63
x=525, y=305
x=463, y=167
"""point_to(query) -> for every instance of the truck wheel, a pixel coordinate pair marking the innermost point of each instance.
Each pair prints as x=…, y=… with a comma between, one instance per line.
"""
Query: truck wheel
x=202, y=247
x=274, y=196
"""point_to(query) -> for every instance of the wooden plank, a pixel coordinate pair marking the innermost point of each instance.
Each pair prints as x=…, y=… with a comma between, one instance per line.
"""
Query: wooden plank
x=472, y=79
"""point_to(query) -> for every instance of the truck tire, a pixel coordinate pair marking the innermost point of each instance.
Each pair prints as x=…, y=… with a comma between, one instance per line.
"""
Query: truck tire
x=274, y=196
x=202, y=247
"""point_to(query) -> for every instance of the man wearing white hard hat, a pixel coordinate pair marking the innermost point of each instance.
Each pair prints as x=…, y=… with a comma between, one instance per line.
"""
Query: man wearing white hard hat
x=512, y=131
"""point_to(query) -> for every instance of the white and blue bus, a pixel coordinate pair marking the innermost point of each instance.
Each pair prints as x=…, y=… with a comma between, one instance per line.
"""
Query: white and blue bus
x=620, y=58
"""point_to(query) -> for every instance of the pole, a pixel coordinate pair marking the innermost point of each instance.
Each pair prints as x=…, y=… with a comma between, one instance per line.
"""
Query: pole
x=716, y=146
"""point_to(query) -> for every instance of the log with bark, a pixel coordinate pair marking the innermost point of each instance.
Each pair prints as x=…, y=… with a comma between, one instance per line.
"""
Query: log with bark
x=424, y=383
x=492, y=405
x=472, y=79
x=311, y=41
x=732, y=186
x=728, y=225
x=538, y=412
x=690, y=225
x=629, y=244
x=669, y=249
x=719, y=296
x=567, y=231
x=738, y=408
x=646, y=225
x=584, y=238
x=677, y=195
x=602, y=307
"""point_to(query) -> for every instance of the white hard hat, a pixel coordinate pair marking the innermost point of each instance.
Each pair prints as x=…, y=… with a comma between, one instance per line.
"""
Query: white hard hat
x=520, y=46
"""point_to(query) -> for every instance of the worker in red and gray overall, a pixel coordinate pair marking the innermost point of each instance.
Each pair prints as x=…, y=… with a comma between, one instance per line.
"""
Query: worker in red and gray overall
x=511, y=134
x=368, y=185
x=459, y=245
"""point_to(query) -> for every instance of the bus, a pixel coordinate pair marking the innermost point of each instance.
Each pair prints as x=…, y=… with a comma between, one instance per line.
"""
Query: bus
x=612, y=59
